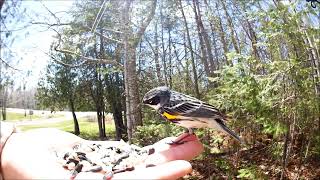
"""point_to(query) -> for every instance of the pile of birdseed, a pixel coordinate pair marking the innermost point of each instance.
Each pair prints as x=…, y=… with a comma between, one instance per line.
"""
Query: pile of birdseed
x=102, y=157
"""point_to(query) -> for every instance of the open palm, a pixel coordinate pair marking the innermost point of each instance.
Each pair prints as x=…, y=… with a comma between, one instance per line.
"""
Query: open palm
x=29, y=155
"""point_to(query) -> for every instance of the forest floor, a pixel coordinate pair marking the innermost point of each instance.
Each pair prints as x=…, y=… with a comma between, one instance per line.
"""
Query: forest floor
x=255, y=163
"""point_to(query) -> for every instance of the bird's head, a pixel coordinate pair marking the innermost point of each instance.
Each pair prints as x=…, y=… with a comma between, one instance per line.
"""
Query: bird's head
x=157, y=97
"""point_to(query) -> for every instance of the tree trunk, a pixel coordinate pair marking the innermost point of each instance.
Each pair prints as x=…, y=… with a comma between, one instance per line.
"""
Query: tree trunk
x=100, y=86
x=249, y=30
x=206, y=39
x=314, y=56
x=3, y=113
x=163, y=57
x=216, y=26
x=156, y=54
x=126, y=32
x=3, y=101
x=194, y=70
x=133, y=109
x=99, y=117
x=231, y=27
x=75, y=120
x=222, y=35
x=170, y=59
x=118, y=103
x=214, y=43
x=202, y=47
x=117, y=116
x=115, y=101
x=187, y=79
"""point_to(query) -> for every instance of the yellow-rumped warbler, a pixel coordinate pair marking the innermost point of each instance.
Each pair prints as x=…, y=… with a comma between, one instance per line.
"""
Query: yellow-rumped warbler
x=186, y=111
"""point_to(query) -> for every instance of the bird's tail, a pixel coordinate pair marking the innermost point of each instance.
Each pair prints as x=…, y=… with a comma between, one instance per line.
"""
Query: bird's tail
x=226, y=130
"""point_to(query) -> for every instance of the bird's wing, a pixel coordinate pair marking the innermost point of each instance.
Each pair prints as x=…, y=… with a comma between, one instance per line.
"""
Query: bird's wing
x=182, y=108
x=184, y=105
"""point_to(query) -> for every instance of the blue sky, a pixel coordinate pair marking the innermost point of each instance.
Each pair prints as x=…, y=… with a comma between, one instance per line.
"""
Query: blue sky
x=32, y=42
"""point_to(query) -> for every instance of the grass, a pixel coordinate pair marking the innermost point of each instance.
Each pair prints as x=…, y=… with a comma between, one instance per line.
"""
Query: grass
x=11, y=116
x=54, y=116
x=88, y=130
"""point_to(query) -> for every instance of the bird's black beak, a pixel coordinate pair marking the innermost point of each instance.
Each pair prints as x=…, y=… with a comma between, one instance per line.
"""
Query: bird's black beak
x=144, y=101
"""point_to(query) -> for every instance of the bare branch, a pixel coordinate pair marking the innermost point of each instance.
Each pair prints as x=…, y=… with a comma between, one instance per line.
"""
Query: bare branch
x=99, y=16
x=148, y=20
x=58, y=20
x=153, y=50
x=111, y=30
x=51, y=24
x=17, y=29
x=8, y=65
x=197, y=54
x=65, y=64
x=283, y=101
x=86, y=59
x=108, y=38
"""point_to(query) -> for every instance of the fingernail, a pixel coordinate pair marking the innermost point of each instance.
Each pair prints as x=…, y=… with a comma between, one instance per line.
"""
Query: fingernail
x=108, y=175
x=150, y=165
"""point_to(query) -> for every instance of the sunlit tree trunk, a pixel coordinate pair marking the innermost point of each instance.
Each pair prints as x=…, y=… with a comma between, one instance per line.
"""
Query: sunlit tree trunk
x=193, y=63
x=216, y=26
x=131, y=40
x=170, y=59
x=231, y=27
x=163, y=57
x=202, y=46
x=75, y=120
x=206, y=39
x=156, y=54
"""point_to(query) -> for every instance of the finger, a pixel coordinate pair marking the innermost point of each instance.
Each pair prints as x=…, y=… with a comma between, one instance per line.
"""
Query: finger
x=24, y=160
x=164, y=143
x=170, y=170
x=186, y=151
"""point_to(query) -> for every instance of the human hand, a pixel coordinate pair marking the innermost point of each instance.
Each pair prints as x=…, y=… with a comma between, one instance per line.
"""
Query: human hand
x=29, y=155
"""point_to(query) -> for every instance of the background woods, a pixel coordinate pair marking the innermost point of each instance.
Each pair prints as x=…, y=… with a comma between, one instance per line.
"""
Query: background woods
x=258, y=61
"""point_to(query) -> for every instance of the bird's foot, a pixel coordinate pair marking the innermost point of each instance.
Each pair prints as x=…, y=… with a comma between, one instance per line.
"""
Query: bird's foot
x=175, y=143
x=180, y=140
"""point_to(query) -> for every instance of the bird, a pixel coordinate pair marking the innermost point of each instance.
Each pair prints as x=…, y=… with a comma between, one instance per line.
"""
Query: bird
x=186, y=111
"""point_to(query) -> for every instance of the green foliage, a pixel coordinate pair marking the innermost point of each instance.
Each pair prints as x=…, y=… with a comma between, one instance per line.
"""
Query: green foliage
x=153, y=131
x=266, y=99
x=57, y=88
x=316, y=145
x=251, y=172
x=276, y=150
x=11, y=116
x=223, y=164
x=89, y=130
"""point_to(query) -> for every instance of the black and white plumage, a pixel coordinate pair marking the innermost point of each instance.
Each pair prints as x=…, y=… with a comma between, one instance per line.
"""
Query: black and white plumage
x=186, y=111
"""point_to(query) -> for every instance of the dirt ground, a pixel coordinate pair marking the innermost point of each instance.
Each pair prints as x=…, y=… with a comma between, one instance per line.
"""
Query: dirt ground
x=265, y=165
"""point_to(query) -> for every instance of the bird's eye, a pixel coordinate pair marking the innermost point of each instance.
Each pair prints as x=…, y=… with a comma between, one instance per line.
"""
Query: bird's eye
x=154, y=101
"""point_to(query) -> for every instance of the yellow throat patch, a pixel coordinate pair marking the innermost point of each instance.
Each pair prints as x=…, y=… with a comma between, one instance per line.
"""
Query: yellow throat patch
x=169, y=116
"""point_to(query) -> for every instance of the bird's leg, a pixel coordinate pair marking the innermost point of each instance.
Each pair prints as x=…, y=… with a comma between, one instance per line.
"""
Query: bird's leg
x=163, y=118
x=180, y=140
x=189, y=130
x=160, y=111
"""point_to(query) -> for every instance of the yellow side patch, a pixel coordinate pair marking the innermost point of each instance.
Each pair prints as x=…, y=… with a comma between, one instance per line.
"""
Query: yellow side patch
x=169, y=116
